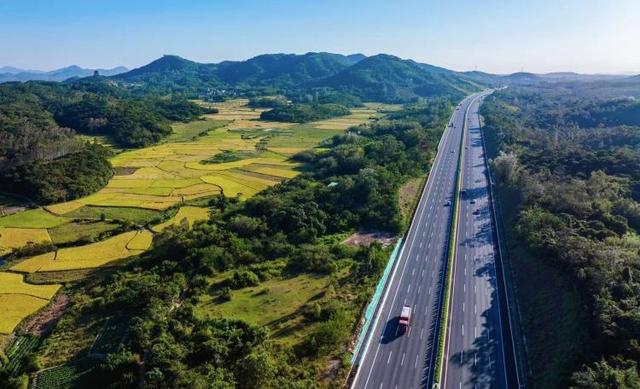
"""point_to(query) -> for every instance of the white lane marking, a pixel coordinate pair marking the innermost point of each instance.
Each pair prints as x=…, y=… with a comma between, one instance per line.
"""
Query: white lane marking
x=415, y=365
x=413, y=272
x=409, y=288
x=421, y=333
x=462, y=329
x=419, y=287
x=462, y=307
x=389, y=358
x=402, y=360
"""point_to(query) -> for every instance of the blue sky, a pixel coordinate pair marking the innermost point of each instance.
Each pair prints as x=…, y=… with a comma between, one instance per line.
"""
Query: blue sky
x=492, y=35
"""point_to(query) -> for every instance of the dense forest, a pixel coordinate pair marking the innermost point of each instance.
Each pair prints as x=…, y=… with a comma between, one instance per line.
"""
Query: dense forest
x=290, y=229
x=40, y=154
x=303, y=113
x=569, y=170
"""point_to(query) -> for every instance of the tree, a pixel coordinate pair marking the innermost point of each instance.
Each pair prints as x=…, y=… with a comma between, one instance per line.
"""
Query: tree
x=506, y=168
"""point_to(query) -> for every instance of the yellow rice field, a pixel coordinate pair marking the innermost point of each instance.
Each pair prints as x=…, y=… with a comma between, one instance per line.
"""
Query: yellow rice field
x=13, y=283
x=191, y=214
x=89, y=256
x=171, y=172
x=16, y=307
x=12, y=238
x=19, y=299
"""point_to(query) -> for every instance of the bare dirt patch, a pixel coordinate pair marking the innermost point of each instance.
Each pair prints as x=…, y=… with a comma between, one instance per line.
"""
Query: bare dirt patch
x=125, y=171
x=44, y=321
x=365, y=238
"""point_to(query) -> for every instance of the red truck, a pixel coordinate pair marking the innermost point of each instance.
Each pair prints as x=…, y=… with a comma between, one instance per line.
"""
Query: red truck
x=405, y=318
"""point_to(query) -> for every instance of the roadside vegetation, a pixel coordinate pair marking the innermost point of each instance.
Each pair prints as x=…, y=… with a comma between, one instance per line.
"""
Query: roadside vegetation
x=569, y=185
x=262, y=293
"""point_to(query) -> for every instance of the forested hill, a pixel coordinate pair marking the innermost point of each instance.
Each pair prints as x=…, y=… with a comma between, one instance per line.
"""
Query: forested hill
x=568, y=169
x=280, y=71
x=378, y=78
x=388, y=78
x=40, y=155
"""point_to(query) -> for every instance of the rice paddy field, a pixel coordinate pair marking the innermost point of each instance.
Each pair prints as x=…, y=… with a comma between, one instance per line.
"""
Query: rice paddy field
x=19, y=299
x=150, y=182
x=89, y=256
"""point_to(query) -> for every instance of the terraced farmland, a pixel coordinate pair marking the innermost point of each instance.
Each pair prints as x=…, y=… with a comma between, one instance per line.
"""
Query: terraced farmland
x=151, y=180
x=19, y=299
x=88, y=256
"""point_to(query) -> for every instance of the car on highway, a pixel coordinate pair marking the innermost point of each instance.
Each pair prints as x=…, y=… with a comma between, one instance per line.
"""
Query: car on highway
x=476, y=212
x=447, y=204
x=405, y=318
x=472, y=201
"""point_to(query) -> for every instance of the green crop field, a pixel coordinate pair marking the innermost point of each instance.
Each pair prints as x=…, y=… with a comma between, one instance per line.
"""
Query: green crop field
x=75, y=374
x=134, y=215
x=79, y=231
x=32, y=218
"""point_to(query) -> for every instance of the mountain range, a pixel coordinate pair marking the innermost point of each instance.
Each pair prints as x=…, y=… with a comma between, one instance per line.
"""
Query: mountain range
x=9, y=73
x=380, y=77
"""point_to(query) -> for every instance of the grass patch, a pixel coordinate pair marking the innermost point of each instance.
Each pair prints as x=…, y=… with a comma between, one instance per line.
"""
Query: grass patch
x=61, y=277
x=80, y=231
x=409, y=196
x=32, y=218
x=275, y=303
x=194, y=129
x=130, y=214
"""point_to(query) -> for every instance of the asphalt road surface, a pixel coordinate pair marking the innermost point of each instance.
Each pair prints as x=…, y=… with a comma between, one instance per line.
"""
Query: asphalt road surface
x=474, y=349
x=389, y=358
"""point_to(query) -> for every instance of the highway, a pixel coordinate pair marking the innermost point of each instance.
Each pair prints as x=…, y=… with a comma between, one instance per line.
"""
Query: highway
x=388, y=358
x=474, y=348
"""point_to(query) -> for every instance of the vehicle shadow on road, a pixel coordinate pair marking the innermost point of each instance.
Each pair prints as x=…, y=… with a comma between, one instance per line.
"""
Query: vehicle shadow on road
x=392, y=331
x=480, y=360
